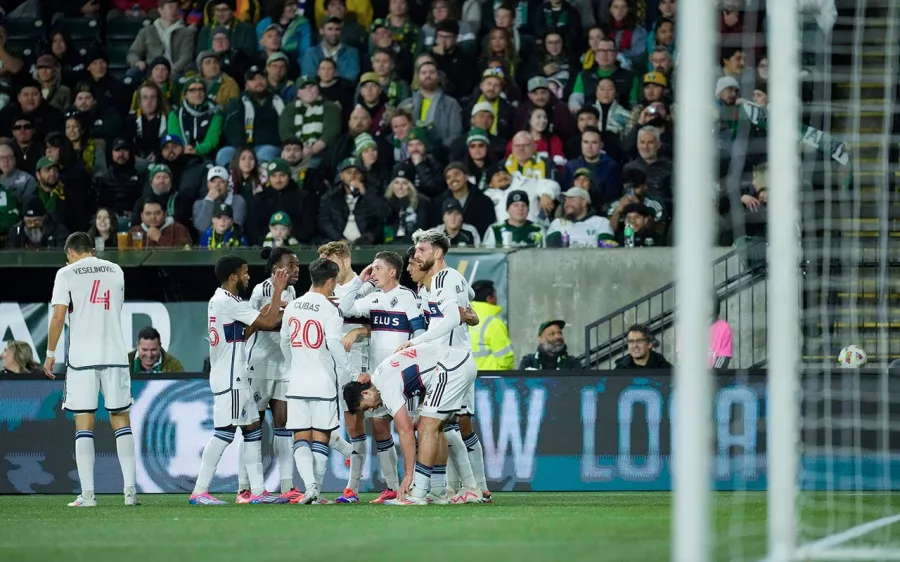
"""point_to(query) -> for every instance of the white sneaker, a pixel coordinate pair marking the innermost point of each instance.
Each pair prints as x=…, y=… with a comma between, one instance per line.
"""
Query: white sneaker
x=131, y=497
x=80, y=501
x=311, y=496
x=467, y=495
x=436, y=499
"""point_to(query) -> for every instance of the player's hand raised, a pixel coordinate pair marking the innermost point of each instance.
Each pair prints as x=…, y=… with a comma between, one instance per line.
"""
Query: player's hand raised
x=366, y=273
x=404, y=346
x=48, y=368
x=280, y=279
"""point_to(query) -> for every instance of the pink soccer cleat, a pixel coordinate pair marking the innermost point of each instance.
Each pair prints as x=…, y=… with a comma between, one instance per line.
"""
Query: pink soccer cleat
x=265, y=497
x=388, y=494
x=242, y=497
x=289, y=496
x=205, y=499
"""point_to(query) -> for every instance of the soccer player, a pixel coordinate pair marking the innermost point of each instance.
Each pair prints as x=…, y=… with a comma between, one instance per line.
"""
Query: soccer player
x=448, y=306
x=311, y=334
x=233, y=404
x=268, y=376
x=395, y=314
x=92, y=291
x=440, y=376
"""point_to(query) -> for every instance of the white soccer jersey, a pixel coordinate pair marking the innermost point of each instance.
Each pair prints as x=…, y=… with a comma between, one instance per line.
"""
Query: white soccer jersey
x=395, y=317
x=411, y=373
x=265, y=346
x=94, y=291
x=449, y=291
x=311, y=332
x=358, y=351
x=228, y=316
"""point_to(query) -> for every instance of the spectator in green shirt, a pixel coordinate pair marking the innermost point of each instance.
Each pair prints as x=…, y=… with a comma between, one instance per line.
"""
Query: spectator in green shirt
x=516, y=230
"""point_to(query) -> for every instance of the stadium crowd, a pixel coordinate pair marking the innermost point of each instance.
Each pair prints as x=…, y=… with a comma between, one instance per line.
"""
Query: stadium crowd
x=240, y=122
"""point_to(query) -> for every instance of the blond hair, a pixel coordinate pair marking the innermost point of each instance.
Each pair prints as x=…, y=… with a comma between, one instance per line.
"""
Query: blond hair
x=413, y=192
x=338, y=249
x=21, y=354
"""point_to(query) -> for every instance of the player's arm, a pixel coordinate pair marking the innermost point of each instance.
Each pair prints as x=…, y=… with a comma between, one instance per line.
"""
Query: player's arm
x=440, y=327
x=59, y=300
x=352, y=304
x=416, y=317
x=404, y=424
x=285, y=342
x=334, y=327
x=469, y=316
x=269, y=319
x=355, y=335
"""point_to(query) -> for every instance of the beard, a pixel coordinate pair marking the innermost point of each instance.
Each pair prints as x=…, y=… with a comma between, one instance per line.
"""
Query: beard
x=34, y=235
x=553, y=348
x=426, y=265
x=241, y=287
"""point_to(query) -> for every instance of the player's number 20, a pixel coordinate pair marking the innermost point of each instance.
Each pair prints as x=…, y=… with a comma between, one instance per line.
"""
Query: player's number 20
x=306, y=334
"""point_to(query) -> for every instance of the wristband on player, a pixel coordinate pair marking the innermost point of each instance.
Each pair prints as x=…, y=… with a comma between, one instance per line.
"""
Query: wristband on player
x=51, y=354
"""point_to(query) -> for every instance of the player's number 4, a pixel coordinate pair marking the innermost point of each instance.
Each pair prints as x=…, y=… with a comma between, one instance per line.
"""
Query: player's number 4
x=97, y=298
x=306, y=334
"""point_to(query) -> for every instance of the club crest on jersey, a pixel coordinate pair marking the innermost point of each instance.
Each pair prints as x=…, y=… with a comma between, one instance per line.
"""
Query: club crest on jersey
x=394, y=302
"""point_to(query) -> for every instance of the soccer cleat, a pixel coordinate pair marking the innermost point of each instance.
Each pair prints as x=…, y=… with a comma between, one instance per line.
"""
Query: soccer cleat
x=243, y=497
x=486, y=497
x=131, y=497
x=288, y=496
x=408, y=500
x=269, y=497
x=265, y=497
x=435, y=499
x=347, y=462
x=386, y=495
x=205, y=499
x=321, y=501
x=467, y=495
x=349, y=497
x=311, y=496
x=80, y=501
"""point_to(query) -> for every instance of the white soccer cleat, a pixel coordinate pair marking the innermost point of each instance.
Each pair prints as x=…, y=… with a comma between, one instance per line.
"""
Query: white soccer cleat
x=467, y=495
x=408, y=500
x=311, y=496
x=131, y=497
x=80, y=501
x=437, y=499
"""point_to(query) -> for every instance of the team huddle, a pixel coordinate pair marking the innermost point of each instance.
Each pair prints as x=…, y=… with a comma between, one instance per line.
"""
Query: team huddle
x=307, y=359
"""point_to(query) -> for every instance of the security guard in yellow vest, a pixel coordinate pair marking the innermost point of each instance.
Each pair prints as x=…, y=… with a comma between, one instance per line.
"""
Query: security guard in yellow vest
x=491, y=346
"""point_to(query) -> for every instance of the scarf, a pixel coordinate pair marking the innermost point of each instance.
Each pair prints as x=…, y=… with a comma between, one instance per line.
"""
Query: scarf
x=207, y=110
x=165, y=35
x=400, y=153
x=496, y=106
x=555, y=19
x=139, y=127
x=625, y=38
x=230, y=239
x=405, y=34
x=87, y=155
x=212, y=88
x=533, y=168
x=250, y=113
x=290, y=41
x=50, y=199
x=309, y=121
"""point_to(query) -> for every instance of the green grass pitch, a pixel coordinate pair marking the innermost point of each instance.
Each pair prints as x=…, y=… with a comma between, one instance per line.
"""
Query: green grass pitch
x=521, y=527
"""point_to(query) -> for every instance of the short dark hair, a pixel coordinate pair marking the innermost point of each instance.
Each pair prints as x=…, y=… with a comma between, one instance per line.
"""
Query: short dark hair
x=352, y=392
x=152, y=201
x=148, y=333
x=274, y=255
x=593, y=130
x=588, y=109
x=321, y=271
x=80, y=243
x=384, y=51
x=393, y=259
x=643, y=329
x=483, y=289
x=728, y=51
x=227, y=265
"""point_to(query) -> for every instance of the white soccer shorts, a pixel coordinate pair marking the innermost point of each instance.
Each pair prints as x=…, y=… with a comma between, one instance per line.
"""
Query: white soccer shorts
x=306, y=415
x=448, y=390
x=83, y=385
x=379, y=412
x=235, y=407
x=267, y=385
x=468, y=403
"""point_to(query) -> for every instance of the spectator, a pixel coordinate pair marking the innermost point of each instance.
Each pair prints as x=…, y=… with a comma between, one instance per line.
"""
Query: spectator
x=479, y=160
x=643, y=231
x=244, y=175
x=198, y=121
x=220, y=88
x=657, y=115
x=336, y=89
x=30, y=105
x=501, y=46
x=547, y=145
x=402, y=28
x=108, y=91
x=636, y=192
x=234, y=61
x=37, y=230
x=482, y=120
x=19, y=184
x=159, y=74
x=600, y=62
x=640, y=351
x=161, y=181
x=9, y=205
x=47, y=73
x=120, y=187
x=425, y=169
x=91, y=151
x=459, y=233
x=307, y=178
x=282, y=194
x=662, y=61
x=516, y=230
x=442, y=11
x=551, y=354
x=279, y=231
x=224, y=232
x=159, y=229
x=27, y=151
x=530, y=173
x=345, y=56
x=654, y=90
x=360, y=12
x=360, y=123
x=384, y=66
x=104, y=227
x=217, y=193
x=613, y=120
x=579, y=227
x=270, y=42
x=18, y=360
x=491, y=346
x=630, y=36
x=561, y=121
x=100, y=122
x=381, y=39
x=401, y=126
x=277, y=76
x=408, y=210
x=351, y=211
x=559, y=16
x=376, y=171
x=720, y=346
x=491, y=92
x=452, y=62
x=477, y=208
x=242, y=36
x=432, y=107
x=659, y=169
x=662, y=36
x=249, y=11
x=147, y=125
x=10, y=64
x=188, y=170
x=373, y=99
x=150, y=357
x=298, y=31
x=167, y=37
x=312, y=120
x=252, y=121
x=606, y=177
x=554, y=61
x=68, y=59
x=50, y=191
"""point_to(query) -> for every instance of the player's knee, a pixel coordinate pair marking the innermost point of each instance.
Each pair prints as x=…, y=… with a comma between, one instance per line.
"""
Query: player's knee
x=381, y=428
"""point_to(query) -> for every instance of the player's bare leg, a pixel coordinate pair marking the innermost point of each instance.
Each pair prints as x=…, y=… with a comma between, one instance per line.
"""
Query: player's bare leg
x=438, y=493
x=356, y=429
x=429, y=432
x=84, y=459
x=387, y=452
x=125, y=451
x=212, y=454
x=475, y=453
x=251, y=457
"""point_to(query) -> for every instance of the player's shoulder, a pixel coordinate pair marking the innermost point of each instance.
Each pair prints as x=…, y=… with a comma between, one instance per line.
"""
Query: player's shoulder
x=263, y=289
x=448, y=278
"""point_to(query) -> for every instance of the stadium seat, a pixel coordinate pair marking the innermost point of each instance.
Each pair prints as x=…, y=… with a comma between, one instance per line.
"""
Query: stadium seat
x=83, y=31
x=118, y=51
x=21, y=29
x=125, y=28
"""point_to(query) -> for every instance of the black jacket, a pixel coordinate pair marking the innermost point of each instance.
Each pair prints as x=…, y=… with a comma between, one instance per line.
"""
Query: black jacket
x=506, y=115
x=341, y=92
x=404, y=220
x=46, y=119
x=345, y=146
x=370, y=213
x=428, y=176
x=189, y=175
x=26, y=159
x=656, y=361
x=119, y=188
x=55, y=235
x=478, y=210
x=459, y=71
x=298, y=203
x=540, y=360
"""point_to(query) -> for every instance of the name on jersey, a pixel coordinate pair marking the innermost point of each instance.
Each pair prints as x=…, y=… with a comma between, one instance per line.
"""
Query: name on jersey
x=389, y=321
x=303, y=305
x=92, y=269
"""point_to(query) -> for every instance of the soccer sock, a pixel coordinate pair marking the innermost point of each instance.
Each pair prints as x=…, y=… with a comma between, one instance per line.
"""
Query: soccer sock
x=282, y=445
x=243, y=479
x=251, y=456
x=387, y=458
x=452, y=473
x=210, y=459
x=304, y=458
x=84, y=460
x=476, y=459
x=357, y=459
x=340, y=445
x=125, y=452
x=421, y=480
x=460, y=457
x=320, y=452
x=439, y=479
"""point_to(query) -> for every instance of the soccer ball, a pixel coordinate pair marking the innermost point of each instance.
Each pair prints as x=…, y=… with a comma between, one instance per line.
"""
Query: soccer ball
x=852, y=357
